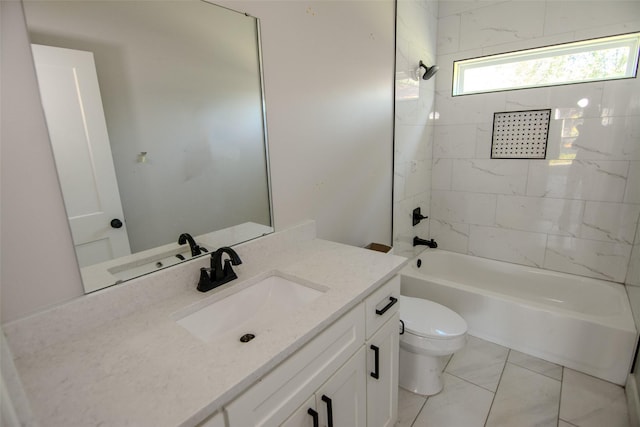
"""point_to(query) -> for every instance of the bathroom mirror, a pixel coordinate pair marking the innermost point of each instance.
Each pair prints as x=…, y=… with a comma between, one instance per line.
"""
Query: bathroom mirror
x=156, y=116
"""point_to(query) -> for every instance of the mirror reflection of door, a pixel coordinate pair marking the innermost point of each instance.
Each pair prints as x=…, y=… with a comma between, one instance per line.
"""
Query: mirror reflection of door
x=77, y=128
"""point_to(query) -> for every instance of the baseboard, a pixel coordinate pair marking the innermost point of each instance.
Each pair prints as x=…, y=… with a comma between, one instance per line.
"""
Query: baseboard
x=633, y=401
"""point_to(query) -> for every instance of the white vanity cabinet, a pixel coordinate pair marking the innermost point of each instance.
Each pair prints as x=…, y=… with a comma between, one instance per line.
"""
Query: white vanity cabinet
x=275, y=397
x=382, y=346
x=341, y=400
x=328, y=382
x=382, y=375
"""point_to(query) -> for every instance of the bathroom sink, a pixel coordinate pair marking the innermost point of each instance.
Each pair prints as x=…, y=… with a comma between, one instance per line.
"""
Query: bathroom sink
x=249, y=309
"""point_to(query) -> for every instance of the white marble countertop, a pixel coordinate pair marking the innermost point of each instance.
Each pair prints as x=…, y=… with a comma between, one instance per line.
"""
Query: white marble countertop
x=140, y=368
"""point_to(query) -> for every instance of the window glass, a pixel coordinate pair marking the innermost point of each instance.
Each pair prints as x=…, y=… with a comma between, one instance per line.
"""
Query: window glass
x=585, y=61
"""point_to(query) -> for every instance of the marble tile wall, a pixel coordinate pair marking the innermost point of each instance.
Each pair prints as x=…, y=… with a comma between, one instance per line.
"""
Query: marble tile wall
x=575, y=211
x=416, y=26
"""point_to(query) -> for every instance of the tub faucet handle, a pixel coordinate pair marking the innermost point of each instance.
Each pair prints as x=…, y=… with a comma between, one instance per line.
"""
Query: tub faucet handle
x=417, y=216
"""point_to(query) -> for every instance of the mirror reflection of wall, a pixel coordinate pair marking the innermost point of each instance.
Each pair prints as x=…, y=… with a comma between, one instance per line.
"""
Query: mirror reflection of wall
x=181, y=92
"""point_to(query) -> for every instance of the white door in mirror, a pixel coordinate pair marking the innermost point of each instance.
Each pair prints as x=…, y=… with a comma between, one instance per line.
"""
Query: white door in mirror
x=77, y=128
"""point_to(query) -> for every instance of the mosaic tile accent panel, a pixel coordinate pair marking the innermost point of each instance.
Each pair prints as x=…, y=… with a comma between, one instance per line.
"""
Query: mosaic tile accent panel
x=520, y=134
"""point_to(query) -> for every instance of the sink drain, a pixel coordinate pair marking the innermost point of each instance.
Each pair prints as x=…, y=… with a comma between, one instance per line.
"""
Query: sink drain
x=247, y=337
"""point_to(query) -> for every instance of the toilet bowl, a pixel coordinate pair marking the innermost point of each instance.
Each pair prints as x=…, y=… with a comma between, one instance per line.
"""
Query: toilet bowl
x=431, y=331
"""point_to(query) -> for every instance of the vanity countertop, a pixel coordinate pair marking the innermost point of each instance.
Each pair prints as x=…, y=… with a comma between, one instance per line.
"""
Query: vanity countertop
x=143, y=369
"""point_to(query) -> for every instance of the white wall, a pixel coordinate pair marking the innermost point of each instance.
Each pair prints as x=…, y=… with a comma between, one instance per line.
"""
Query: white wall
x=329, y=88
x=573, y=215
x=417, y=23
x=38, y=265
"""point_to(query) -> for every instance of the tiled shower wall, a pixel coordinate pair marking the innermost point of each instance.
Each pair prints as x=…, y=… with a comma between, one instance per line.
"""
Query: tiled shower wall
x=416, y=25
x=577, y=210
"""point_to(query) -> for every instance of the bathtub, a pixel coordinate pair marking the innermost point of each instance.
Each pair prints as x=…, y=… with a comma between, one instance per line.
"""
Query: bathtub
x=581, y=323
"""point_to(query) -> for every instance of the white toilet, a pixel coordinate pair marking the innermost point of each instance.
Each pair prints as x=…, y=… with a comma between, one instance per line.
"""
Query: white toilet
x=431, y=330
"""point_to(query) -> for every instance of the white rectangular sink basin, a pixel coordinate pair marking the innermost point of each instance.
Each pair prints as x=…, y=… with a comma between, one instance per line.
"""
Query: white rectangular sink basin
x=250, y=309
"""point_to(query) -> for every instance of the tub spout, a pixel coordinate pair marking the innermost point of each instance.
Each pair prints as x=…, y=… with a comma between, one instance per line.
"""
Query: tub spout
x=418, y=241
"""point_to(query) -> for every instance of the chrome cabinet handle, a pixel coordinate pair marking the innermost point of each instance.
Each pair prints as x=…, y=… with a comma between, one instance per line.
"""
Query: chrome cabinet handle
x=392, y=301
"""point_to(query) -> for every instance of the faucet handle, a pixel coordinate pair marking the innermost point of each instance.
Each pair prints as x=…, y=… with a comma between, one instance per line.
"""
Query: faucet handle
x=204, y=284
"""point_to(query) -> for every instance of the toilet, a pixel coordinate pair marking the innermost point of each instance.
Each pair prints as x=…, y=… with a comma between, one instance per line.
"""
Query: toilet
x=431, y=330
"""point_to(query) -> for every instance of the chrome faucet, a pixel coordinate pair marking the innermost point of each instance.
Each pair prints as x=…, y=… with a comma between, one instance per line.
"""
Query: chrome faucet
x=217, y=275
x=195, y=249
x=418, y=241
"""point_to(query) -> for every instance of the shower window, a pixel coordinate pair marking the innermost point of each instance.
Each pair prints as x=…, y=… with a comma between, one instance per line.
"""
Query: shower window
x=607, y=58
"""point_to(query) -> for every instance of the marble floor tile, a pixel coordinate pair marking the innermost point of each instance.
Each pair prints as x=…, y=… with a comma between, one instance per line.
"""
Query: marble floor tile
x=525, y=398
x=444, y=361
x=530, y=392
x=536, y=365
x=479, y=362
x=409, y=405
x=460, y=403
x=587, y=401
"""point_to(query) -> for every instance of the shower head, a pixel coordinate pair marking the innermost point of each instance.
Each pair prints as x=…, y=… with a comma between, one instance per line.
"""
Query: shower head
x=429, y=71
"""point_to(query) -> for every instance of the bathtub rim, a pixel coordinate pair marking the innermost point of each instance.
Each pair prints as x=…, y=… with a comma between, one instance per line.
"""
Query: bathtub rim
x=622, y=320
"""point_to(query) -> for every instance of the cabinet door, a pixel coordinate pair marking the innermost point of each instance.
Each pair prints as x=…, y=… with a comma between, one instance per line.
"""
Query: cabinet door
x=216, y=420
x=303, y=416
x=342, y=400
x=382, y=375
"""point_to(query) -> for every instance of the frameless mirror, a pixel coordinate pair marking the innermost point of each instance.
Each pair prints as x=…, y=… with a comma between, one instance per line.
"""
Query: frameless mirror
x=156, y=116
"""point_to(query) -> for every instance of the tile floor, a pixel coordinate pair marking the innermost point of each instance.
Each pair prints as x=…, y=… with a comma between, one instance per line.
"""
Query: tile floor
x=490, y=385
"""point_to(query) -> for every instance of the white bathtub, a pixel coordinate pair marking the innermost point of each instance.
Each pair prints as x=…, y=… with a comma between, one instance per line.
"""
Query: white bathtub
x=584, y=324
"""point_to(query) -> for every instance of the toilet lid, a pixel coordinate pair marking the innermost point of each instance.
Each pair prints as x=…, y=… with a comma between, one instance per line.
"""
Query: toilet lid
x=429, y=319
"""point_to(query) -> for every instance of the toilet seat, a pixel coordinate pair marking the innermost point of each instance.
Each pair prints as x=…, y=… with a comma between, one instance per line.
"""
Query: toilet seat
x=427, y=319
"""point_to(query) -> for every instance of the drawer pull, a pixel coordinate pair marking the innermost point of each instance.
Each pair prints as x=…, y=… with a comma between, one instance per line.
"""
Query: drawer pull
x=314, y=415
x=329, y=410
x=392, y=301
x=376, y=361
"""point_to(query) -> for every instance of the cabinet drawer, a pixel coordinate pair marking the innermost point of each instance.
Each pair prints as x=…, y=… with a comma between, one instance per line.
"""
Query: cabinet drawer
x=277, y=395
x=382, y=305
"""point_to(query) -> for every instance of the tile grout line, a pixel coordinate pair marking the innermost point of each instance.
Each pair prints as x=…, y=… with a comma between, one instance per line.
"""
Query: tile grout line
x=420, y=411
x=446, y=365
x=472, y=383
x=497, y=388
x=560, y=398
x=536, y=372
